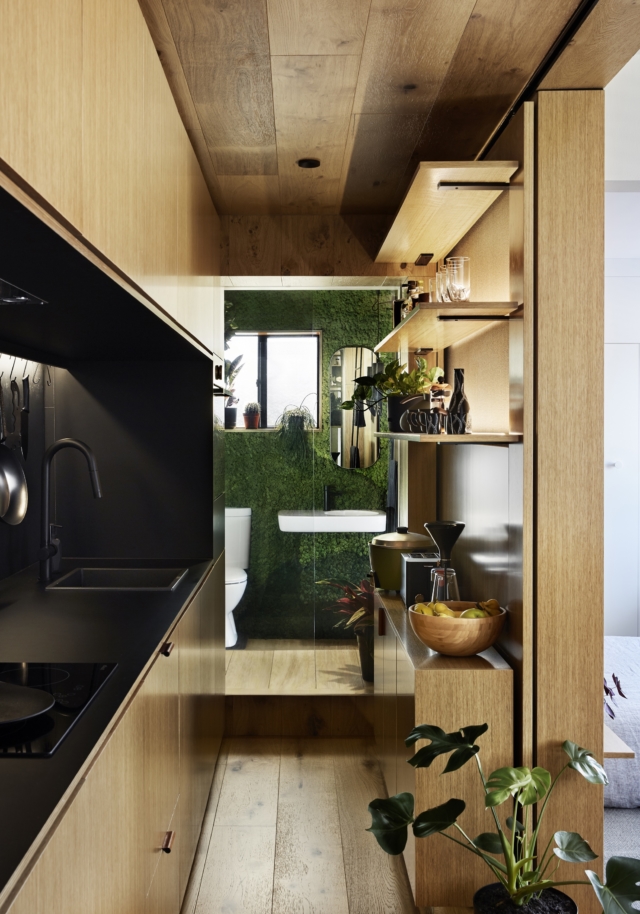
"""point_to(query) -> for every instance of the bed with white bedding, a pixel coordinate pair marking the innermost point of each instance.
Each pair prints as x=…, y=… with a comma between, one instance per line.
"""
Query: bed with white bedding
x=622, y=657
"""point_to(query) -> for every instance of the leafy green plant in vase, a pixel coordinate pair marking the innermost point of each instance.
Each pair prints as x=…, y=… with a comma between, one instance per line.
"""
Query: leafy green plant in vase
x=293, y=425
x=251, y=415
x=356, y=607
x=397, y=386
x=231, y=370
x=523, y=870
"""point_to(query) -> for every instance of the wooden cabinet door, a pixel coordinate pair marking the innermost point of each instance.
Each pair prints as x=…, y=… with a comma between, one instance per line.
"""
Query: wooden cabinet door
x=211, y=709
x=405, y=722
x=378, y=680
x=41, y=102
x=164, y=895
x=159, y=702
x=94, y=861
x=188, y=632
x=389, y=709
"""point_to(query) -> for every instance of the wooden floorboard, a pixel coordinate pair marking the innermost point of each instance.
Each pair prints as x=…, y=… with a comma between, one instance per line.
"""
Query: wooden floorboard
x=295, y=842
x=338, y=671
x=292, y=672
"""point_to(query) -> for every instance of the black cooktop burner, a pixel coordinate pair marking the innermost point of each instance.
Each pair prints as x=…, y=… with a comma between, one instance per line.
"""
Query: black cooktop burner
x=73, y=685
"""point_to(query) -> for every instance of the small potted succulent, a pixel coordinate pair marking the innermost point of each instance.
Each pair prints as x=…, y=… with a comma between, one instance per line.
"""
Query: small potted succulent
x=251, y=415
x=356, y=606
x=397, y=386
x=512, y=853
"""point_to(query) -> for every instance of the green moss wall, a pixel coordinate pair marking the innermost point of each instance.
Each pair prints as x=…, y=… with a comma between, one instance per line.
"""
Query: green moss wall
x=282, y=599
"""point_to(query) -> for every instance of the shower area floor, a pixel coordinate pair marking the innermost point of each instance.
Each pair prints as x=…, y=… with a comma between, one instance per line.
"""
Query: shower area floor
x=295, y=667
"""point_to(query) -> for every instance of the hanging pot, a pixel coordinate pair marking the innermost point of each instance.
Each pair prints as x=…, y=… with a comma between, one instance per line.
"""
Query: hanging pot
x=365, y=649
x=385, y=552
x=494, y=899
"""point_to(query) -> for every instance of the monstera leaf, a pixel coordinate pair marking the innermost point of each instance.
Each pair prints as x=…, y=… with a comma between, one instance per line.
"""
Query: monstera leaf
x=490, y=842
x=390, y=820
x=507, y=782
x=438, y=819
x=621, y=889
x=572, y=848
x=461, y=744
x=582, y=761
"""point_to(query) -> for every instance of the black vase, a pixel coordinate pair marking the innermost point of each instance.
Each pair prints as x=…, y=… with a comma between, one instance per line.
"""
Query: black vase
x=230, y=416
x=459, y=409
x=494, y=899
x=365, y=649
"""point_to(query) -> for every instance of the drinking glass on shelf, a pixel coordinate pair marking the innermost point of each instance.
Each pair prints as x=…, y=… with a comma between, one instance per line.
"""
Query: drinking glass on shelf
x=442, y=292
x=458, y=278
x=444, y=585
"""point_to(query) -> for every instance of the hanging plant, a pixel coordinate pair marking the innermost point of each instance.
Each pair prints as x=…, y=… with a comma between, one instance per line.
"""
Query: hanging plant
x=293, y=425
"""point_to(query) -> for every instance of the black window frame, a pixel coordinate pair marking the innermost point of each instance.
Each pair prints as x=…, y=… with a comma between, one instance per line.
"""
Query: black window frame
x=262, y=392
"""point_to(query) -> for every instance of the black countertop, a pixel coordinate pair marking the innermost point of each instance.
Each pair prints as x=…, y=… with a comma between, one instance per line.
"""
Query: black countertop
x=97, y=627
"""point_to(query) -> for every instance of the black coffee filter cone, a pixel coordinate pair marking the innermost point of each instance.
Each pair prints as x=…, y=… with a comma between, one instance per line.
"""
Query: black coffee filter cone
x=445, y=533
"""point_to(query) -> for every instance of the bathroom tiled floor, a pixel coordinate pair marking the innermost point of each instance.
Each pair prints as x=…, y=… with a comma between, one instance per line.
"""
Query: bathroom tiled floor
x=284, y=833
x=295, y=668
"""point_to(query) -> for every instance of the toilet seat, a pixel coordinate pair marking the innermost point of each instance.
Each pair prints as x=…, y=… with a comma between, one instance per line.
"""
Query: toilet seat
x=234, y=575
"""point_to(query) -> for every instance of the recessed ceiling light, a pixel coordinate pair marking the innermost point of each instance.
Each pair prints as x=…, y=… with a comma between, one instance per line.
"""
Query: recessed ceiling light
x=309, y=163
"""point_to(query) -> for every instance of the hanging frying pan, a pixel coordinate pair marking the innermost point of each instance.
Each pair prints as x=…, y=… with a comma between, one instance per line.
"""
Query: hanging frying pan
x=20, y=703
x=13, y=484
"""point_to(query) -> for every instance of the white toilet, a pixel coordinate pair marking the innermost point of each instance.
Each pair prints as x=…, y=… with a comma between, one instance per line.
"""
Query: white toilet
x=237, y=542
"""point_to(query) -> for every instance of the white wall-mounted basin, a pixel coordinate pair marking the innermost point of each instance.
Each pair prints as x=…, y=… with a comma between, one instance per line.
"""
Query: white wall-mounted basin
x=332, y=521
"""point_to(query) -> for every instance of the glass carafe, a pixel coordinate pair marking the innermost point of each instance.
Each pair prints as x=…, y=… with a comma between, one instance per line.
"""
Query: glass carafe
x=444, y=585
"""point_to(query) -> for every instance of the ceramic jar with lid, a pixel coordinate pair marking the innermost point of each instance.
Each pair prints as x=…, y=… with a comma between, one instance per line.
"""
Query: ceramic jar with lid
x=385, y=552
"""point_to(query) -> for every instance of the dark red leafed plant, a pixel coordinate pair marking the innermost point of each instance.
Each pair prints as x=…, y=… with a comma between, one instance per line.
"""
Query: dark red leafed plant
x=610, y=695
x=355, y=606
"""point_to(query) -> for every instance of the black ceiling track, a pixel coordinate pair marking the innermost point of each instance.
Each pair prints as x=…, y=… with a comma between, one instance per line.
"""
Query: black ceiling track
x=568, y=33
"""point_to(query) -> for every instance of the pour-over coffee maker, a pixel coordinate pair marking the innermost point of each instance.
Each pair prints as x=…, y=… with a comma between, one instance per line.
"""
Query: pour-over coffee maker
x=444, y=583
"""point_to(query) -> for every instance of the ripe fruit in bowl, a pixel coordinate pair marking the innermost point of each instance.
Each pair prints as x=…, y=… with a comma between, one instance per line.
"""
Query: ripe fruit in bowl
x=475, y=613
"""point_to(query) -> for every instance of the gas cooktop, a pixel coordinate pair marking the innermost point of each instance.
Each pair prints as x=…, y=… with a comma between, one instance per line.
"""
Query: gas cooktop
x=73, y=687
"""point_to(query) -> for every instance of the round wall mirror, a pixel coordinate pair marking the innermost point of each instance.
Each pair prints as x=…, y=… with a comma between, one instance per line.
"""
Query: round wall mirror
x=353, y=441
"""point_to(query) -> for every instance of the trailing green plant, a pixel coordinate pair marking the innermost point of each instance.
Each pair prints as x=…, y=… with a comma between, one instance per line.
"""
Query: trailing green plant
x=252, y=409
x=293, y=425
x=231, y=371
x=230, y=321
x=394, y=381
x=511, y=853
x=356, y=605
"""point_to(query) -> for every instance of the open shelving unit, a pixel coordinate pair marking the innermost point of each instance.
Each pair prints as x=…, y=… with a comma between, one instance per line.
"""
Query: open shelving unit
x=444, y=200
x=434, y=326
x=473, y=438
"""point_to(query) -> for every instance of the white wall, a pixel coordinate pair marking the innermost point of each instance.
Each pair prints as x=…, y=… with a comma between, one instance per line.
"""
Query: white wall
x=622, y=352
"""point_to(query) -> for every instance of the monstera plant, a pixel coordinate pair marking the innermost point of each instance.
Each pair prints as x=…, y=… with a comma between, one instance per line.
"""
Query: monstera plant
x=512, y=853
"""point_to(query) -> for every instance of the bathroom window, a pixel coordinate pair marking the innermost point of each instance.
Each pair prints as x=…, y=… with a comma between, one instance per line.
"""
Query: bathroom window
x=279, y=370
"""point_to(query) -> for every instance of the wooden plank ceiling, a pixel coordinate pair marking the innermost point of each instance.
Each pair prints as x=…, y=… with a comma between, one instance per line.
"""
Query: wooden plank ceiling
x=368, y=87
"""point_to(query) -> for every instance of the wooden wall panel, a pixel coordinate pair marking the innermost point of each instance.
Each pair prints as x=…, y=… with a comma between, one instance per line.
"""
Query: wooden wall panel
x=41, y=99
x=605, y=42
x=569, y=460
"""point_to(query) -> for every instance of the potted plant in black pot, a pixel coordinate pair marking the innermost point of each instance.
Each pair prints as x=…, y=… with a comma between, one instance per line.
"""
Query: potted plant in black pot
x=356, y=608
x=521, y=882
x=397, y=386
x=251, y=415
x=231, y=371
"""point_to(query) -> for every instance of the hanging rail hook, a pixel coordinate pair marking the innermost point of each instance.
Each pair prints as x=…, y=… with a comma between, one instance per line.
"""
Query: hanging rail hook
x=25, y=370
x=35, y=373
x=49, y=381
x=13, y=367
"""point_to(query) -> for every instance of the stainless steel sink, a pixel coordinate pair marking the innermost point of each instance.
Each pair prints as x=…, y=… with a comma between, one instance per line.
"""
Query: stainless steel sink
x=135, y=579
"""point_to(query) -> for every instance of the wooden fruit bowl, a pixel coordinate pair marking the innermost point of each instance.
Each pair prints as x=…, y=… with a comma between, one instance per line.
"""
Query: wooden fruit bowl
x=457, y=637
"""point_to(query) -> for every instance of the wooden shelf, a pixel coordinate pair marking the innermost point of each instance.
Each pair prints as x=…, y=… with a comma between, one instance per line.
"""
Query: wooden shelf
x=424, y=329
x=433, y=220
x=614, y=747
x=473, y=438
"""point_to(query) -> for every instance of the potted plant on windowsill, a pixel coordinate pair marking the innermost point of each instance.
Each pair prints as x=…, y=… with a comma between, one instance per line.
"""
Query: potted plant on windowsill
x=524, y=883
x=397, y=386
x=251, y=415
x=356, y=606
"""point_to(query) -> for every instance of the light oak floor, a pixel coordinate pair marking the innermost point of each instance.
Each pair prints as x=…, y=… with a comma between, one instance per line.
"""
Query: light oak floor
x=295, y=668
x=284, y=833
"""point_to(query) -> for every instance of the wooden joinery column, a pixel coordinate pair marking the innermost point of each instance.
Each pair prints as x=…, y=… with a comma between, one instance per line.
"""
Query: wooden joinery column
x=569, y=324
